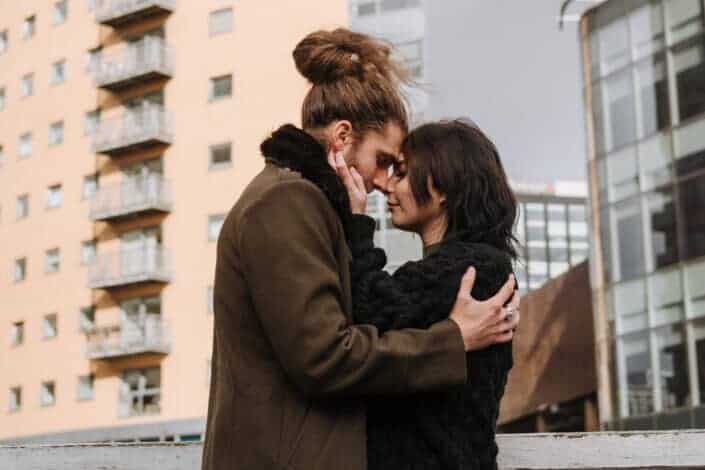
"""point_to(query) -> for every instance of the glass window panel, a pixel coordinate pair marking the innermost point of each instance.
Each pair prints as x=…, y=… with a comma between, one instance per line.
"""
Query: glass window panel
x=577, y=213
x=215, y=222
x=91, y=122
x=638, y=375
x=690, y=148
x=653, y=95
x=221, y=87
x=49, y=329
x=646, y=28
x=220, y=155
x=667, y=296
x=220, y=21
x=558, y=255
x=692, y=203
x=86, y=318
x=631, y=306
x=3, y=41
x=661, y=222
x=655, y=159
x=690, y=79
x=606, y=243
x=558, y=232
x=695, y=278
x=391, y=5
x=85, y=388
x=558, y=268
x=537, y=254
x=25, y=145
x=602, y=182
x=623, y=174
x=614, y=38
x=598, y=117
x=366, y=8
x=699, y=336
x=536, y=234
x=685, y=18
x=673, y=367
x=630, y=244
x=621, y=115
x=47, y=396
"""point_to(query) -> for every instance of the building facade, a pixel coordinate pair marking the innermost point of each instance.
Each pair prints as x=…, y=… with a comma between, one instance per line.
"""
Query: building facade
x=551, y=230
x=644, y=88
x=127, y=130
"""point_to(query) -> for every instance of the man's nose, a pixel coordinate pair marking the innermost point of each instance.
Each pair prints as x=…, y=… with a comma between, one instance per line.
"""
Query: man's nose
x=381, y=180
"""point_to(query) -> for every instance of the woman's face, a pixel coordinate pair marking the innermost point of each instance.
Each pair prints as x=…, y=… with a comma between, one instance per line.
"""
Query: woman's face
x=406, y=213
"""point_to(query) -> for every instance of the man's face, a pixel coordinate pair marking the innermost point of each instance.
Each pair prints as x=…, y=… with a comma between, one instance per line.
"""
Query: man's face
x=374, y=155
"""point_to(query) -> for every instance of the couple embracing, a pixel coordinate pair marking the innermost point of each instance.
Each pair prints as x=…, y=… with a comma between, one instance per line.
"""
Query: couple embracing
x=321, y=359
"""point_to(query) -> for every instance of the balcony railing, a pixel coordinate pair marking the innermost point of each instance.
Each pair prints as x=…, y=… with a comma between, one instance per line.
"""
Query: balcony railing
x=585, y=451
x=144, y=60
x=129, y=266
x=141, y=195
x=120, y=12
x=129, y=339
x=149, y=125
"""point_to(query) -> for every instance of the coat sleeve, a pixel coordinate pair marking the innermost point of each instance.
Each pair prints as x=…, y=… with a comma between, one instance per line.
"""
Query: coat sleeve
x=286, y=244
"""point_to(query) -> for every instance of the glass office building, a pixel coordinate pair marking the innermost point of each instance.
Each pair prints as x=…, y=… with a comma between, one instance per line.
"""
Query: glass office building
x=644, y=88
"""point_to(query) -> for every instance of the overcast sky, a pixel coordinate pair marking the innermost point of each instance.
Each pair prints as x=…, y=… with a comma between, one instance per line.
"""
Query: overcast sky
x=506, y=65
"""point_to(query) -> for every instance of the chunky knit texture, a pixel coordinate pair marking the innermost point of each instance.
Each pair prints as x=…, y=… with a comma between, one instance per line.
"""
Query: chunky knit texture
x=452, y=429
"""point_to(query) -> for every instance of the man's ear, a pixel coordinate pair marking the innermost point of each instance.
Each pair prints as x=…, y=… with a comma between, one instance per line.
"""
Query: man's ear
x=342, y=134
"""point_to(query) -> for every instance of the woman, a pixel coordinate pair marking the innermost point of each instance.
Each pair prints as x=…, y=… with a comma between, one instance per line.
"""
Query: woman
x=449, y=187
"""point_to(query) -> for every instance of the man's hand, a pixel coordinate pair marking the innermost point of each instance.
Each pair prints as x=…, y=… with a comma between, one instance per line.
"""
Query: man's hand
x=485, y=323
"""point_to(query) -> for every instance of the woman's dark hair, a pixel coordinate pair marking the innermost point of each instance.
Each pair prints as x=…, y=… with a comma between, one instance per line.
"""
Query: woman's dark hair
x=464, y=165
x=353, y=78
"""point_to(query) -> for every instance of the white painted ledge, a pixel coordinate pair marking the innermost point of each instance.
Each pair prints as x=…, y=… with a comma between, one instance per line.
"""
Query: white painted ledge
x=649, y=449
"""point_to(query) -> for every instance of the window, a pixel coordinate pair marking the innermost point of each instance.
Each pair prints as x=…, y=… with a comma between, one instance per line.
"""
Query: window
x=2, y=156
x=84, y=390
x=60, y=12
x=90, y=5
x=692, y=201
x=93, y=58
x=86, y=319
x=56, y=133
x=22, y=206
x=55, y=196
x=366, y=8
x=630, y=243
x=673, y=367
x=221, y=87
x=90, y=186
x=391, y=5
x=661, y=225
x=17, y=333
x=695, y=274
x=3, y=41
x=653, y=94
x=2, y=98
x=29, y=27
x=638, y=375
x=20, y=273
x=52, y=260
x=623, y=172
x=15, y=398
x=58, y=72
x=49, y=329
x=412, y=55
x=220, y=155
x=25, y=145
x=47, y=395
x=685, y=18
x=91, y=122
x=27, y=85
x=88, y=252
x=215, y=223
x=220, y=21
x=140, y=392
x=689, y=66
x=209, y=299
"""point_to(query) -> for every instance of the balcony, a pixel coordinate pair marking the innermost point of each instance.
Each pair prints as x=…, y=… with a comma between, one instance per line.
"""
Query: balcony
x=584, y=451
x=143, y=195
x=121, y=12
x=118, y=341
x=129, y=267
x=147, y=126
x=146, y=60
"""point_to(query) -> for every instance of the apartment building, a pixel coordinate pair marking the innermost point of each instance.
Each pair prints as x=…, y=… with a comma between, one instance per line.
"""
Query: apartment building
x=128, y=128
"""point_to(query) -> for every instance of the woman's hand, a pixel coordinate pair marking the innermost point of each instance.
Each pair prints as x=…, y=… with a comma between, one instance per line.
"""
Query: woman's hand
x=352, y=181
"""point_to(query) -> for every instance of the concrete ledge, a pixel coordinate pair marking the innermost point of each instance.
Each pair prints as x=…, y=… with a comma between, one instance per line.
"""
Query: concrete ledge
x=669, y=449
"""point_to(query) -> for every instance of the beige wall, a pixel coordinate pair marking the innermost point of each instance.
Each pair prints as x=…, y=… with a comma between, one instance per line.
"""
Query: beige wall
x=267, y=92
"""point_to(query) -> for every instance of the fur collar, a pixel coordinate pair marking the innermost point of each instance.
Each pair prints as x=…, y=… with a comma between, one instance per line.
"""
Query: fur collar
x=292, y=148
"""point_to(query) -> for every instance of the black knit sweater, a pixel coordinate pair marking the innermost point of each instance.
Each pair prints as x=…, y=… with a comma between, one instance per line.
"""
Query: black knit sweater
x=451, y=429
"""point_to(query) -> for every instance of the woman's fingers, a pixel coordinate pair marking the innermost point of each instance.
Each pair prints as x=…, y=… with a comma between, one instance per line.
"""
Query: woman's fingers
x=359, y=182
x=344, y=172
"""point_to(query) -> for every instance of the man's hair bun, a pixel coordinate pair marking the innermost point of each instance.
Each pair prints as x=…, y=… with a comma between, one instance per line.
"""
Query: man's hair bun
x=328, y=56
